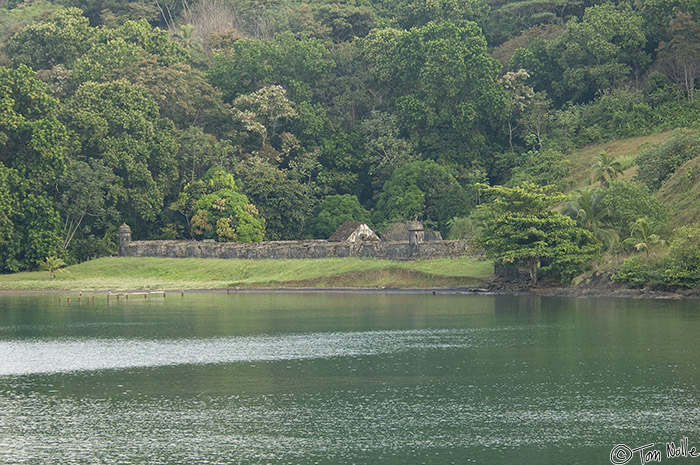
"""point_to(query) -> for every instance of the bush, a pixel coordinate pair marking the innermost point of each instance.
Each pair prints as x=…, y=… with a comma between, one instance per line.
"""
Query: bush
x=542, y=167
x=334, y=211
x=680, y=268
x=640, y=271
x=659, y=162
x=627, y=202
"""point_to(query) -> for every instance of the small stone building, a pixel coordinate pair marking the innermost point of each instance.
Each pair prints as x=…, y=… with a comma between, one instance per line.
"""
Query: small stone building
x=399, y=232
x=353, y=231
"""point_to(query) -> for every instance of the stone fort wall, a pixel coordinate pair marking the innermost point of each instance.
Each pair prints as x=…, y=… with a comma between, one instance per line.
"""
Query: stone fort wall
x=293, y=249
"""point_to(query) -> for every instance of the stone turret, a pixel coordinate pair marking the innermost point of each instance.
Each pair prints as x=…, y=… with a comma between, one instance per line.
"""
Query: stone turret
x=124, y=237
x=415, y=233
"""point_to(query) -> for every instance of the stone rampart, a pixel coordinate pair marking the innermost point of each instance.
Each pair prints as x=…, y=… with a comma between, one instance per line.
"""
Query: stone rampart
x=294, y=249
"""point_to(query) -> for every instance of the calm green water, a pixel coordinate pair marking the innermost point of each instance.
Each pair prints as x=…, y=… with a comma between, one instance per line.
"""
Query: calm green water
x=340, y=379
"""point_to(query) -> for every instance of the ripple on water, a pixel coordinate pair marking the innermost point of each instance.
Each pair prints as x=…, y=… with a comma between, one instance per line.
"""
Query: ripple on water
x=22, y=357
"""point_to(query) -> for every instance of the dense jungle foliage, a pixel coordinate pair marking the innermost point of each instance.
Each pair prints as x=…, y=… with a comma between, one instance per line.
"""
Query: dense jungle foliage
x=249, y=120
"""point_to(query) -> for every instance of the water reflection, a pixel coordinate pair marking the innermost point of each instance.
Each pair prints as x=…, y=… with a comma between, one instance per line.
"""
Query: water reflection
x=333, y=379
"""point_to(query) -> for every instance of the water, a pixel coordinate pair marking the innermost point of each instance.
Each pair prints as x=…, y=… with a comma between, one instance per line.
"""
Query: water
x=349, y=378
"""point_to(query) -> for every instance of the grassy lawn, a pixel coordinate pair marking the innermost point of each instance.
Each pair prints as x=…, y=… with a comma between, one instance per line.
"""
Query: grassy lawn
x=122, y=273
x=624, y=150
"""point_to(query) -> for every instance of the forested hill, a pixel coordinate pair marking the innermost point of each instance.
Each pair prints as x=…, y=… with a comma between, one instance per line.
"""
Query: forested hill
x=249, y=120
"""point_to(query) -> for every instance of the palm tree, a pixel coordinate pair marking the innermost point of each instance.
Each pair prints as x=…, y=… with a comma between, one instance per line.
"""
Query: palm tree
x=589, y=212
x=606, y=168
x=187, y=38
x=643, y=236
x=52, y=264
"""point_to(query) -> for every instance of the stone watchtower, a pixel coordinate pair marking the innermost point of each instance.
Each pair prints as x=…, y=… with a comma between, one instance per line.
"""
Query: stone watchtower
x=415, y=233
x=124, y=237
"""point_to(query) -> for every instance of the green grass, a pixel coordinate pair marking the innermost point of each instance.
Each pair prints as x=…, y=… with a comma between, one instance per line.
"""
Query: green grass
x=681, y=192
x=124, y=273
x=624, y=150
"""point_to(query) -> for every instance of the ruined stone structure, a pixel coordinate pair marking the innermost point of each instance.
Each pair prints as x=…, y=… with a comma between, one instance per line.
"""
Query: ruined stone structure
x=400, y=232
x=361, y=245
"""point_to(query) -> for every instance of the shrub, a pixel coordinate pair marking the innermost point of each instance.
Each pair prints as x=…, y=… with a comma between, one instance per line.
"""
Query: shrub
x=660, y=161
x=334, y=211
x=627, y=202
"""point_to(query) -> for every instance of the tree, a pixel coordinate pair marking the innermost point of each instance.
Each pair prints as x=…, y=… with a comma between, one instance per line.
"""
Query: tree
x=52, y=264
x=32, y=139
x=262, y=115
x=606, y=168
x=519, y=226
x=520, y=96
x=285, y=203
x=422, y=190
x=593, y=55
x=416, y=13
x=89, y=193
x=387, y=149
x=119, y=123
x=629, y=201
x=679, y=58
x=335, y=210
x=297, y=64
x=643, y=236
x=443, y=85
x=221, y=211
x=590, y=212
x=59, y=39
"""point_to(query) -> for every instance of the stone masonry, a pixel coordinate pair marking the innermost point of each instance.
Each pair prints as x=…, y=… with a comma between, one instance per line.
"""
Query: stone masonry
x=390, y=250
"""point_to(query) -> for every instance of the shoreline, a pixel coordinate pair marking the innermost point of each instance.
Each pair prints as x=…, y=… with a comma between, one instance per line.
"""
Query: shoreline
x=627, y=293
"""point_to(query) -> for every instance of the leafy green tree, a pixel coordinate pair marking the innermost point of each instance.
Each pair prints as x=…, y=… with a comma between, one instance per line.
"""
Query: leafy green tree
x=519, y=226
x=185, y=35
x=32, y=139
x=335, y=210
x=119, y=123
x=627, y=202
x=216, y=209
x=344, y=20
x=593, y=55
x=32, y=156
x=184, y=96
x=295, y=63
x=387, y=149
x=542, y=167
x=417, y=13
x=422, y=190
x=88, y=196
x=443, y=85
x=520, y=95
x=59, y=39
x=285, y=203
x=106, y=61
x=31, y=227
x=112, y=13
x=262, y=115
x=152, y=40
x=606, y=168
x=684, y=257
x=198, y=152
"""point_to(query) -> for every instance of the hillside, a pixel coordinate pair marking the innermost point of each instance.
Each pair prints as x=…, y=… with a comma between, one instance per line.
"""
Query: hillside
x=625, y=150
x=681, y=193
